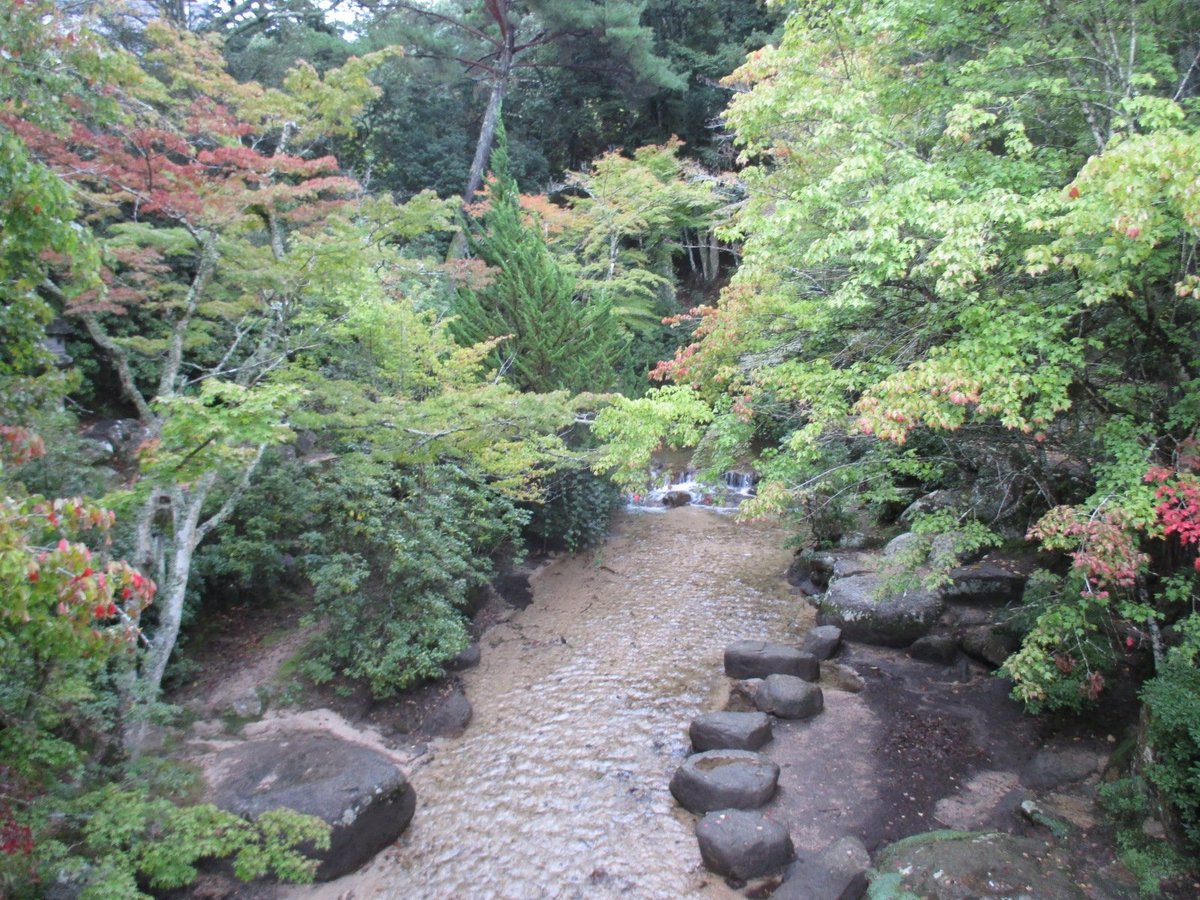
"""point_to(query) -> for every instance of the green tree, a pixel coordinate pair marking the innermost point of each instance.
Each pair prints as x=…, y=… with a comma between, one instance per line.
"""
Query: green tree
x=551, y=339
x=495, y=39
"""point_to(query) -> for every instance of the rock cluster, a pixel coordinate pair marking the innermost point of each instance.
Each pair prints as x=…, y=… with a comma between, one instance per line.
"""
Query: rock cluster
x=883, y=598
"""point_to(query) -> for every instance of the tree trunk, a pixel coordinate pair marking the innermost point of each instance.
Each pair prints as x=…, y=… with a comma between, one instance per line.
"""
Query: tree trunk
x=487, y=137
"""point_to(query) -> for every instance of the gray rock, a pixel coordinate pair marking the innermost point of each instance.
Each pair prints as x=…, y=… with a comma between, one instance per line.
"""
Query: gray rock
x=124, y=436
x=724, y=779
x=854, y=564
x=859, y=606
x=789, y=697
x=854, y=540
x=838, y=677
x=742, y=845
x=931, y=502
x=986, y=582
x=247, y=706
x=730, y=731
x=823, y=641
x=1053, y=768
x=988, y=644
x=358, y=791
x=468, y=659
x=839, y=872
x=758, y=659
x=450, y=717
x=949, y=865
x=810, y=572
x=948, y=550
x=934, y=648
x=907, y=546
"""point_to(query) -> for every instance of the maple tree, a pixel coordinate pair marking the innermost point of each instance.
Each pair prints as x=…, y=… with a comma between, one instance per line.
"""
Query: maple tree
x=222, y=234
x=955, y=271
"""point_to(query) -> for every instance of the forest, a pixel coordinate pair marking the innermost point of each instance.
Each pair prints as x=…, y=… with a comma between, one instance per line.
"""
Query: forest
x=344, y=303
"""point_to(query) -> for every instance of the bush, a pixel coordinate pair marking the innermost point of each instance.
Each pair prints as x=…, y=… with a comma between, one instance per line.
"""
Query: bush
x=576, y=512
x=393, y=561
x=1172, y=701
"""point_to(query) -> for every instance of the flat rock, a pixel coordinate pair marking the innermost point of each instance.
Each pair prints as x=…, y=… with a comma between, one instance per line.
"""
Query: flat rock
x=865, y=612
x=789, y=697
x=730, y=731
x=742, y=844
x=357, y=790
x=758, y=659
x=1054, y=768
x=986, y=582
x=839, y=872
x=849, y=564
x=724, y=779
x=823, y=641
x=950, y=865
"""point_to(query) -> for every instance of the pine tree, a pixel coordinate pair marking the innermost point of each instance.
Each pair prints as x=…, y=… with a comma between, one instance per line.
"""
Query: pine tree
x=553, y=340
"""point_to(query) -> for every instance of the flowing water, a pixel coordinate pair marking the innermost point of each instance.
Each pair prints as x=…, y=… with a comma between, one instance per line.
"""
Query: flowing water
x=582, y=700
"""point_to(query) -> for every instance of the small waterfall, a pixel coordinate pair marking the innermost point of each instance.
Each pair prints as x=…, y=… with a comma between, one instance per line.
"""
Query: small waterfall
x=741, y=483
x=673, y=484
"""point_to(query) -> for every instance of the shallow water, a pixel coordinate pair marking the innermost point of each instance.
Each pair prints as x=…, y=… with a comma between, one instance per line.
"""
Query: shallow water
x=582, y=700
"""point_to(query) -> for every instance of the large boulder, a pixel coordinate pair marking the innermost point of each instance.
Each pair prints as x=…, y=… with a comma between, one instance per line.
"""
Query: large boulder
x=758, y=659
x=730, y=731
x=789, y=697
x=724, y=779
x=359, y=791
x=907, y=547
x=866, y=612
x=839, y=872
x=742, y=844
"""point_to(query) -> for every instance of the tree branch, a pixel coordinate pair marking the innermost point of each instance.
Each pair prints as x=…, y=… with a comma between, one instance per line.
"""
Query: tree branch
x=203, y=530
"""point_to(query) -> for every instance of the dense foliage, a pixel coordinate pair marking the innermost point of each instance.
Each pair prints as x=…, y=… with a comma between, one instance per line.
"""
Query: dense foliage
x=956, y=252
x=969, y=263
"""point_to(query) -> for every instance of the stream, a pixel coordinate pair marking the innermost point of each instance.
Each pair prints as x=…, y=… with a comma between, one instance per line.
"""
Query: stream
x=581, y=703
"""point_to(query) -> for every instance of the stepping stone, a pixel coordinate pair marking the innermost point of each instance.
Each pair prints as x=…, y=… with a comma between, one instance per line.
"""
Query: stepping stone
x=758, y=659
x=823, y=641
x=789, y=697
x=839, y=872
x=724, y=779
x=741, y=844
x=730, y=731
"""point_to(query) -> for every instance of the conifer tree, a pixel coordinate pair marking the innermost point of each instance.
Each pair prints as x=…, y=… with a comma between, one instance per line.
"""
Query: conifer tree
x=553, y=340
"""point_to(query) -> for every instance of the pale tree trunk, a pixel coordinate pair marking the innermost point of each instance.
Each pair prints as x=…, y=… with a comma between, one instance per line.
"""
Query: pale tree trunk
x=170, y=558
x=487, y=138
